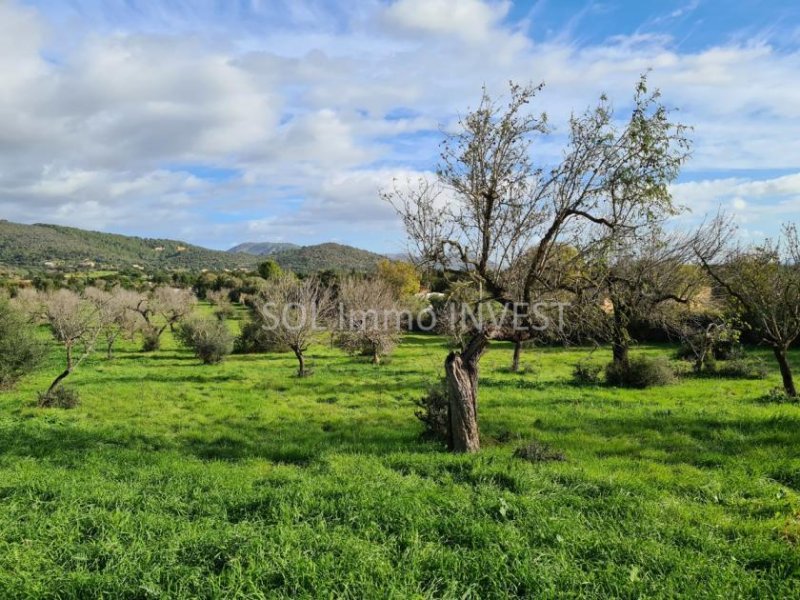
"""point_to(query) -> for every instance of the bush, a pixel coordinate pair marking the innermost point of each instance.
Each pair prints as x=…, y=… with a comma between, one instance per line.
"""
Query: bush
x=777, y=396
x=434, y=413
x=536, y=451
x=586, y=373
x=20, y=350
x=209, y=338
x=253, y=339
x=640, y=372
x=744, y=368
x=61, y=397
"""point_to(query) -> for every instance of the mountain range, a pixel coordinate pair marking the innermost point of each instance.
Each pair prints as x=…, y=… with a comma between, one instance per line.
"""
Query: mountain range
x=43, y=246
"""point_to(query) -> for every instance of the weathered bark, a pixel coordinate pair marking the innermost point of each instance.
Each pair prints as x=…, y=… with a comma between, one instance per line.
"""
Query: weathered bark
x=517, y=353
x=461, y=371
x=786, y=371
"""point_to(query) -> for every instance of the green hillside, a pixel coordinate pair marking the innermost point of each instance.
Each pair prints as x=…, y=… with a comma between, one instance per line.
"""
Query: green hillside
x=46, y=246
x=40, y=246
x=330, y=256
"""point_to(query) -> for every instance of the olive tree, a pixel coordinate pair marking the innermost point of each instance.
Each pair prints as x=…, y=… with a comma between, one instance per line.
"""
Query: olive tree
x=20, y=350
x=291, y=312
x=491, y=204
x=763, y=285
x=120, y=317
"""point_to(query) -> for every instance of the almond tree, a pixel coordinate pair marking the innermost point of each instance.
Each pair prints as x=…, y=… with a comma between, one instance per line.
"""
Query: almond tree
x=291, y=312
x=120, y=315
x=610, y=179
x=76, y=322
x=163, y=308
x=763, y=284
x=370, y=320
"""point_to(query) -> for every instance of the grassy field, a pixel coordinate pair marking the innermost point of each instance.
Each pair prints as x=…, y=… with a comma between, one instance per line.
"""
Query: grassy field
x=178, y=480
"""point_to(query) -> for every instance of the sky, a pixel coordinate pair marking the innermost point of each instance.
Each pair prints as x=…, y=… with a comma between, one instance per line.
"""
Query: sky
x=220, y=122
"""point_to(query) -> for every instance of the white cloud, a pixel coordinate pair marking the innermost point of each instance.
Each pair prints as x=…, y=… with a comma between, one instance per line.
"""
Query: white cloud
x=308, y=121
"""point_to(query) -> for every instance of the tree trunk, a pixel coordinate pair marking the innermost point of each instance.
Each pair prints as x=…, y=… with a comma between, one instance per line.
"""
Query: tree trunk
x=619, y=349
x=786, y=371
x=301, y=360
x=58, y=380
x=376, y=358
x=461, y=371
x=517, y=353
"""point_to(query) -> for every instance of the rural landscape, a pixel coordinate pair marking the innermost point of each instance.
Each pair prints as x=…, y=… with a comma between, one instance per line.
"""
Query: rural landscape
x=506, y=352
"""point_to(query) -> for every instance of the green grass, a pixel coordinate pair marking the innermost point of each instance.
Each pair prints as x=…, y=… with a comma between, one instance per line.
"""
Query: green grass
x=178, y=480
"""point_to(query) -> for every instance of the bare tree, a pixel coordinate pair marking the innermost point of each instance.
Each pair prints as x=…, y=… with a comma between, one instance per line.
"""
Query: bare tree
x=163, y=308
x=639, y=278
x=610, y=179
x=120, y=317
x=370, y=319
x=76, y=321
x=763, y=284
x=291, y=312
x=221, y=299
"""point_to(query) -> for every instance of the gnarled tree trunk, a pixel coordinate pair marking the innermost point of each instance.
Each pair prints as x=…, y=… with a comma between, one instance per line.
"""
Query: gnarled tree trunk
x=461, y=370
x=786, y=371
x=301, y=360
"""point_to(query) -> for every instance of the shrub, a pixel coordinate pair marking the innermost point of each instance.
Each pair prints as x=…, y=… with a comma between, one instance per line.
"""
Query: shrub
x=20, y=350
x=640, y=372
x=586, y=373
x=777, y=396
x=536, y=451
x=253, y=339
x=209, y=338
x=434, y=413
x=744, y=368
x=60, y=397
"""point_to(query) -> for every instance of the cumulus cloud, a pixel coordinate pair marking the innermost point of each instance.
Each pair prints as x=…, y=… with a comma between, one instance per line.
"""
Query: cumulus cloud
x=283, y=120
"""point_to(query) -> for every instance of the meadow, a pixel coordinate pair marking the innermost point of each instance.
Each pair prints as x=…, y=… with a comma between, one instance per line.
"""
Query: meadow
x=177, y=480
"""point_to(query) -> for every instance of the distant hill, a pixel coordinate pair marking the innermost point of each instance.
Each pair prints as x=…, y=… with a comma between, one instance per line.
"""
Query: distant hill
x=42, y=246
x=263, y=248
x=330, y=256
x=45, y=246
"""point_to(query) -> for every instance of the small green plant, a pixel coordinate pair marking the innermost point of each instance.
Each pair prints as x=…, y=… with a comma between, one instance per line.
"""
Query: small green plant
x=60, y=397
x=536, y=452
x=777, y=396
x=20, y=350
x=433, y=410
x=640, y=372
x=586, y=373
x=744, y=368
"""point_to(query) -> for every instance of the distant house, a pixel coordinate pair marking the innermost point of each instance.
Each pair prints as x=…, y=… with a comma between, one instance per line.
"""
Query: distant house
x=159, y=248
x=88, y=263
x=140, y=267
x=49, y=264
x=181, y=248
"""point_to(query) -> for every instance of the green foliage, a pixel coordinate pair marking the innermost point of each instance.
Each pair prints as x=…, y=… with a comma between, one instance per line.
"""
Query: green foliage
x=20, y=349
x=60, y=397
x=327, y=257
x=269, y=269
x=587, y=373
x=253, y=339
x=433, y=410
x=210, y=339
x=640, y=372
x=743, y=368
x=401, y=276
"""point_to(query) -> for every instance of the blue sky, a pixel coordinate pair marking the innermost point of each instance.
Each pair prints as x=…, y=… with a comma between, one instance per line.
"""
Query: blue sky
x=220, y=122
